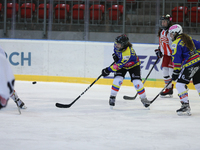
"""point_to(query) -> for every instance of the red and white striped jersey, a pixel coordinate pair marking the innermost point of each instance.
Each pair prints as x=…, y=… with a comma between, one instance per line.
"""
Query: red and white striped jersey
x=165, y=43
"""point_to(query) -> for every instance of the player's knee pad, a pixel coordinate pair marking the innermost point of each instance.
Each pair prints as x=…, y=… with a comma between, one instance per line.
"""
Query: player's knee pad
x=137, y=83
x=167, y=72
x=180, y=87
x=117, y=82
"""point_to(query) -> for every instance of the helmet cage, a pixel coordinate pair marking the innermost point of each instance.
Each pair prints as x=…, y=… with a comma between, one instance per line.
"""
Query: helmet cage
x=168, y=18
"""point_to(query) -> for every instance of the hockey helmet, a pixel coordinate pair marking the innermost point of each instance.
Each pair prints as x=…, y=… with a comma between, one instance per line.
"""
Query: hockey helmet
x=175, y=29
x=123, y=40
x=166, y=17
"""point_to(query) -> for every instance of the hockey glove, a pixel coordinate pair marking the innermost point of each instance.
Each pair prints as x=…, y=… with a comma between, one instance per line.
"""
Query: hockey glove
x=115, y=58
x=158, y=53
x=175, y=75
x=105, y=72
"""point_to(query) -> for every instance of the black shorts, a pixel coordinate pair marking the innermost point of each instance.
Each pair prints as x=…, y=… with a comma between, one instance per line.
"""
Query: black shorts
x=135, y=73
x=189, y=73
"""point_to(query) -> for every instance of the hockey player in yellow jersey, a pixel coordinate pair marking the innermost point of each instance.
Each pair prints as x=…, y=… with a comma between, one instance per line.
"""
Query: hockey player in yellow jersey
x=126, y=60
x=186, y=60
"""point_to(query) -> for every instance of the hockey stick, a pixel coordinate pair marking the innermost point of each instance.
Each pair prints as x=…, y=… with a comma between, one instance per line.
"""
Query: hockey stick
x=160, y=92
x=59, y=105
x=132, y=98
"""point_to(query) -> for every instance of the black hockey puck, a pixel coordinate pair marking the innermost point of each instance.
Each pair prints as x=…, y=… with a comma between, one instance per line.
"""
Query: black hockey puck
x=34, y=82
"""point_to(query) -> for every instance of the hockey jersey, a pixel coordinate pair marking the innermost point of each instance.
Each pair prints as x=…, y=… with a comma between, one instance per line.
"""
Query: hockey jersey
x=127, y=59
x=7, y=78
x=182, y=57
x=165, y=42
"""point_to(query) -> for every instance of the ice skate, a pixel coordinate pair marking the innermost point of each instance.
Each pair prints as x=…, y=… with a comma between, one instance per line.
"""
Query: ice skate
x=168, y=92
x=20, y=104
x=184, y=110
x=112, y=101
x=145, y=102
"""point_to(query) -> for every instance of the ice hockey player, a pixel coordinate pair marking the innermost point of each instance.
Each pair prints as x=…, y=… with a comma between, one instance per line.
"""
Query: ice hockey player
x=6, y=81
x=126, y=60
x=164, y=51
x=8, y=77
x=186, y=60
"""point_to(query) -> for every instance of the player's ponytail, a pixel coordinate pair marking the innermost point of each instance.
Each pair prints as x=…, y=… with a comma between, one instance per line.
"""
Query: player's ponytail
x=188, y=41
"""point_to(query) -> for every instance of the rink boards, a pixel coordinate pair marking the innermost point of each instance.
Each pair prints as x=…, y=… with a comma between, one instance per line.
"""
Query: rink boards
x=73, y=61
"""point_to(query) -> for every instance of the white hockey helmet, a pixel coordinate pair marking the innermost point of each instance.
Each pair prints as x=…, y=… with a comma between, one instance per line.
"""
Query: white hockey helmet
x=176, y=28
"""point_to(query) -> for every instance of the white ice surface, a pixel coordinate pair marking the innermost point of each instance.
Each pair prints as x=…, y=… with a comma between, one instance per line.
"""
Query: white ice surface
x=90, y=124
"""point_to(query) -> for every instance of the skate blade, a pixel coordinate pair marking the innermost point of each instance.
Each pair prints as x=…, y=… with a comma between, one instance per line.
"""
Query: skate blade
x=111, y=107
x=148, y=108
x=24, y=107
x=184, y=113
x=19, y=110
x=166, y=96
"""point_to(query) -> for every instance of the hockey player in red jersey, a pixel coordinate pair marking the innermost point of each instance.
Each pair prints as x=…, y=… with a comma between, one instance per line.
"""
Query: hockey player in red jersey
x=164, y=51
x=126, y=60
x=186, y=60
x=6, y=73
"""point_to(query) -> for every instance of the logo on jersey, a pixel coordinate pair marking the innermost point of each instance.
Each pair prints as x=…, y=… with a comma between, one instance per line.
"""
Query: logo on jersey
x=173, y=47
x=126, y=57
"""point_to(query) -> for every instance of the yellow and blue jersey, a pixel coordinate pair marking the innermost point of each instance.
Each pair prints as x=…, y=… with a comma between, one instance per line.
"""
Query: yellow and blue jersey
x=182, y=57
x=127, y=59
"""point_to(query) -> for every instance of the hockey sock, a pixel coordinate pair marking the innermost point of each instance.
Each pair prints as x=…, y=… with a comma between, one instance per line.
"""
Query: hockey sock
x=197, y=86
x=167, y=72
x=117, y=82
x=140, y=88
x=182, y=92
x=167, y=80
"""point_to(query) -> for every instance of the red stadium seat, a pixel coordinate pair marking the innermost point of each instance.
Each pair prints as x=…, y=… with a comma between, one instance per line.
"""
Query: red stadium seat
x=0, y=6
x=78, y=11
x=192, y=1
x=179, y=14
x=27, y=10
x=195, y=14
x=61, y=11
x=41, y=11
x=115, y=12
x=96, y=12
x=10, y=9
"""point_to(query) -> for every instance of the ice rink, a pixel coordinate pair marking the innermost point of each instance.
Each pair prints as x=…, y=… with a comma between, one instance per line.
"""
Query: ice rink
x=90, y=124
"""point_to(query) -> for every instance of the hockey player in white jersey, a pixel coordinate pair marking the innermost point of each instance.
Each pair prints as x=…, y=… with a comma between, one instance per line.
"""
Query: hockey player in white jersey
x=7, y=83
